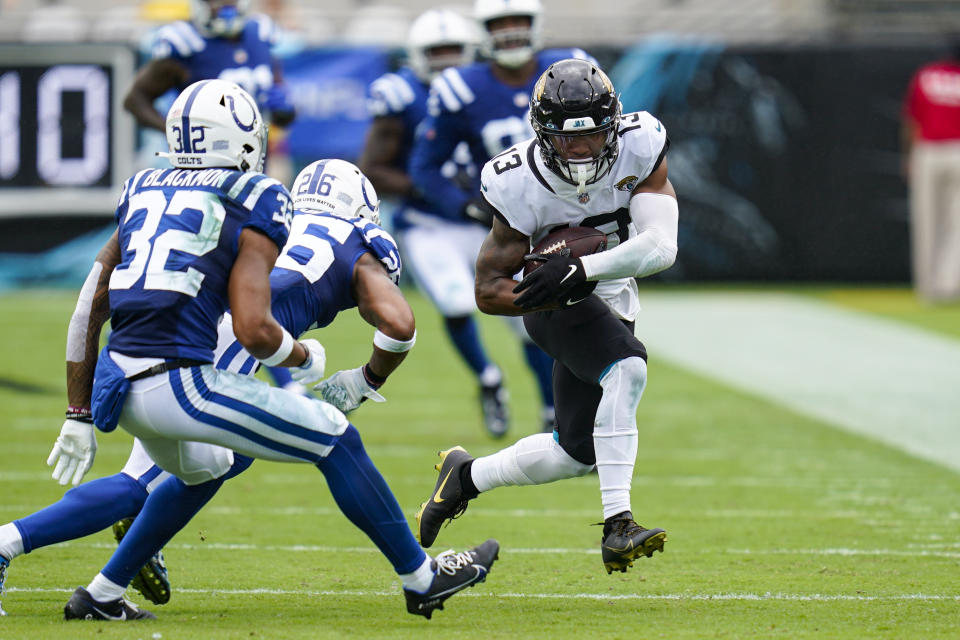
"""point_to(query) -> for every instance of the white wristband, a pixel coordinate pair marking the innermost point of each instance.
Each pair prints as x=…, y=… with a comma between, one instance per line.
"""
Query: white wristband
x=385, y=342
x=282, y=352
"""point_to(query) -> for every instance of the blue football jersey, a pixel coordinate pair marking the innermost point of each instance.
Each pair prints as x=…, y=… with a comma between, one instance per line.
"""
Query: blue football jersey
x=470, y=104
x=403, y=95
x=246, y=60
x=178, y=231
x=312, y=280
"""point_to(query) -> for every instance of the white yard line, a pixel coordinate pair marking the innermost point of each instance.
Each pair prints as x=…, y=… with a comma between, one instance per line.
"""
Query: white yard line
x=795, y=597
x=309, y=548
x=871, y=376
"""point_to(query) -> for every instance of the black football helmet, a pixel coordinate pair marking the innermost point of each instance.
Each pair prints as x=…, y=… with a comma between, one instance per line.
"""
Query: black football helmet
x=574, y=105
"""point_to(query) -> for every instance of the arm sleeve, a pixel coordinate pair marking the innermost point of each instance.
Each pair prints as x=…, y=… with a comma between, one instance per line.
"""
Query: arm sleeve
x=652, y=250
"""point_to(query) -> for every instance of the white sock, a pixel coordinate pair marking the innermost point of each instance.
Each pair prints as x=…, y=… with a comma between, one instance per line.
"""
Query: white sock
x=421, y=579
x=615, y=432
x=11, y=542
x=104, y=590
x=491, y=376
x=536, y=459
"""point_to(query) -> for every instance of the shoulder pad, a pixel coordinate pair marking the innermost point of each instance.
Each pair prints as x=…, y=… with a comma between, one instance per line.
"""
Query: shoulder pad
x=178, y=38
x=452, y=90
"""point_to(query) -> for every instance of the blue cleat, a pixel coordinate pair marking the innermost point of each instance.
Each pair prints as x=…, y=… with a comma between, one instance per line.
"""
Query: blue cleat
x=151, y=581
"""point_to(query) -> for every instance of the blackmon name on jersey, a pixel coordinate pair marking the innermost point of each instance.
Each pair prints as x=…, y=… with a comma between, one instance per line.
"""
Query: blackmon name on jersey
x=534, y=201
x=178, y=231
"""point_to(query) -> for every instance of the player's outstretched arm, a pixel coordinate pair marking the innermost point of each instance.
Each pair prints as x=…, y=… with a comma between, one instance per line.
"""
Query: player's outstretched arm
x=76, y=447
x=381, y=304
x=500, y=257
x=381, y=151
x=151, y=82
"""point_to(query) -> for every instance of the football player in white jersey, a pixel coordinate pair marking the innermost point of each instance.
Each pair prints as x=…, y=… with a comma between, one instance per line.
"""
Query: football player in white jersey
x=485, y=106
x=588, y=165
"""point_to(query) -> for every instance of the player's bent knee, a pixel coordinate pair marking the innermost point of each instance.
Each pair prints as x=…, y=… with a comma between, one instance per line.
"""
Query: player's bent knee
x=200, y=462
x=632, y=371
x=543, y=460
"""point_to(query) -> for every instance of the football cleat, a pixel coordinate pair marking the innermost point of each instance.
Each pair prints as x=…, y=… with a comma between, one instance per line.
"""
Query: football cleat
x=493, y=404
x=82, y=606
x=4, y=563
x=453, y=572
x=624, y=540
x=151, y=581
x=448, y=500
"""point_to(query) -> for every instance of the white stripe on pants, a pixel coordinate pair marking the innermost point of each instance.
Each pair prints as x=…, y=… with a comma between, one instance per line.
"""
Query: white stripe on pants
x=190, y=420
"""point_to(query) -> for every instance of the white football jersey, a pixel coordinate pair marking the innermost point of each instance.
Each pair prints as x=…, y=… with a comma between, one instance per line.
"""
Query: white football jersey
x=535, y=201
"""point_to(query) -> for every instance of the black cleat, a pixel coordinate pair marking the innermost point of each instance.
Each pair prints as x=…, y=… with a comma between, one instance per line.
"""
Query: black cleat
x=448, y=500
x=151, y=581
x=453, y=572
x=624, y=540
x=82, y=606
x=493, y=404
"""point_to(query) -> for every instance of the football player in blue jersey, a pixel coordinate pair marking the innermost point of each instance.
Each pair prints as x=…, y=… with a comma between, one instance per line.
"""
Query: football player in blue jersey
x=438, y=250
x=189, y=242
x=337, y=258
x=219, y=41
x=485, y=106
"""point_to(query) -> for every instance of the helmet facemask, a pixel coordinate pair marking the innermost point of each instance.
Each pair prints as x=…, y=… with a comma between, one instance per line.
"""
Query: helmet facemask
x=511, y=43
x=227, y=21
x=512, y=46
x=440, y=38
x=575, y=115
x=563, y=153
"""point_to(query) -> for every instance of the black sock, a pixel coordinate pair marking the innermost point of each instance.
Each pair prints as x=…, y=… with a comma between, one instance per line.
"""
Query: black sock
x=466, y=481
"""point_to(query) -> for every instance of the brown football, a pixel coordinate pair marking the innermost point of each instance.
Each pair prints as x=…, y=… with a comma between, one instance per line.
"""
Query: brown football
x=573, y=241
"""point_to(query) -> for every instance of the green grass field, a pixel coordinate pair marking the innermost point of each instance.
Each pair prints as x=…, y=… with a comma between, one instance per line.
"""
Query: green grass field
x=779, y=526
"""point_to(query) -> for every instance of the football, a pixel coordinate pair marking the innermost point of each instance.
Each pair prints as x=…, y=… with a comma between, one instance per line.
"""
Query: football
x=573, y=241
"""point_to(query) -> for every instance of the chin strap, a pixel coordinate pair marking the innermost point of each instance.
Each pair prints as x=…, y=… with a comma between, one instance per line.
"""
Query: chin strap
x=581, y=178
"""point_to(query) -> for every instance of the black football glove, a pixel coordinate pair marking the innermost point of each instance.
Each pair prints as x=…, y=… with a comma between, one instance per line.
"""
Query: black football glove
x=559, y=279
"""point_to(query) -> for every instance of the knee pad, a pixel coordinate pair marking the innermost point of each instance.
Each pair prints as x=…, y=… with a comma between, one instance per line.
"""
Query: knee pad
x=541, y=459
x=199, y=462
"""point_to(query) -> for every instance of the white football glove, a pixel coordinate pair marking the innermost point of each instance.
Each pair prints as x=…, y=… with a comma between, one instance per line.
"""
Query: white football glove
x=73, y=452
x=312, y=369
x=347, y=389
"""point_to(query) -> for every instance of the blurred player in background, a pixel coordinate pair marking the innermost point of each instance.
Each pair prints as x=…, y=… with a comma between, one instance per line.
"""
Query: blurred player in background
x=484, y=105
x=440, y=250
x=931, y=147
x=587, y=166
x=219, y=41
